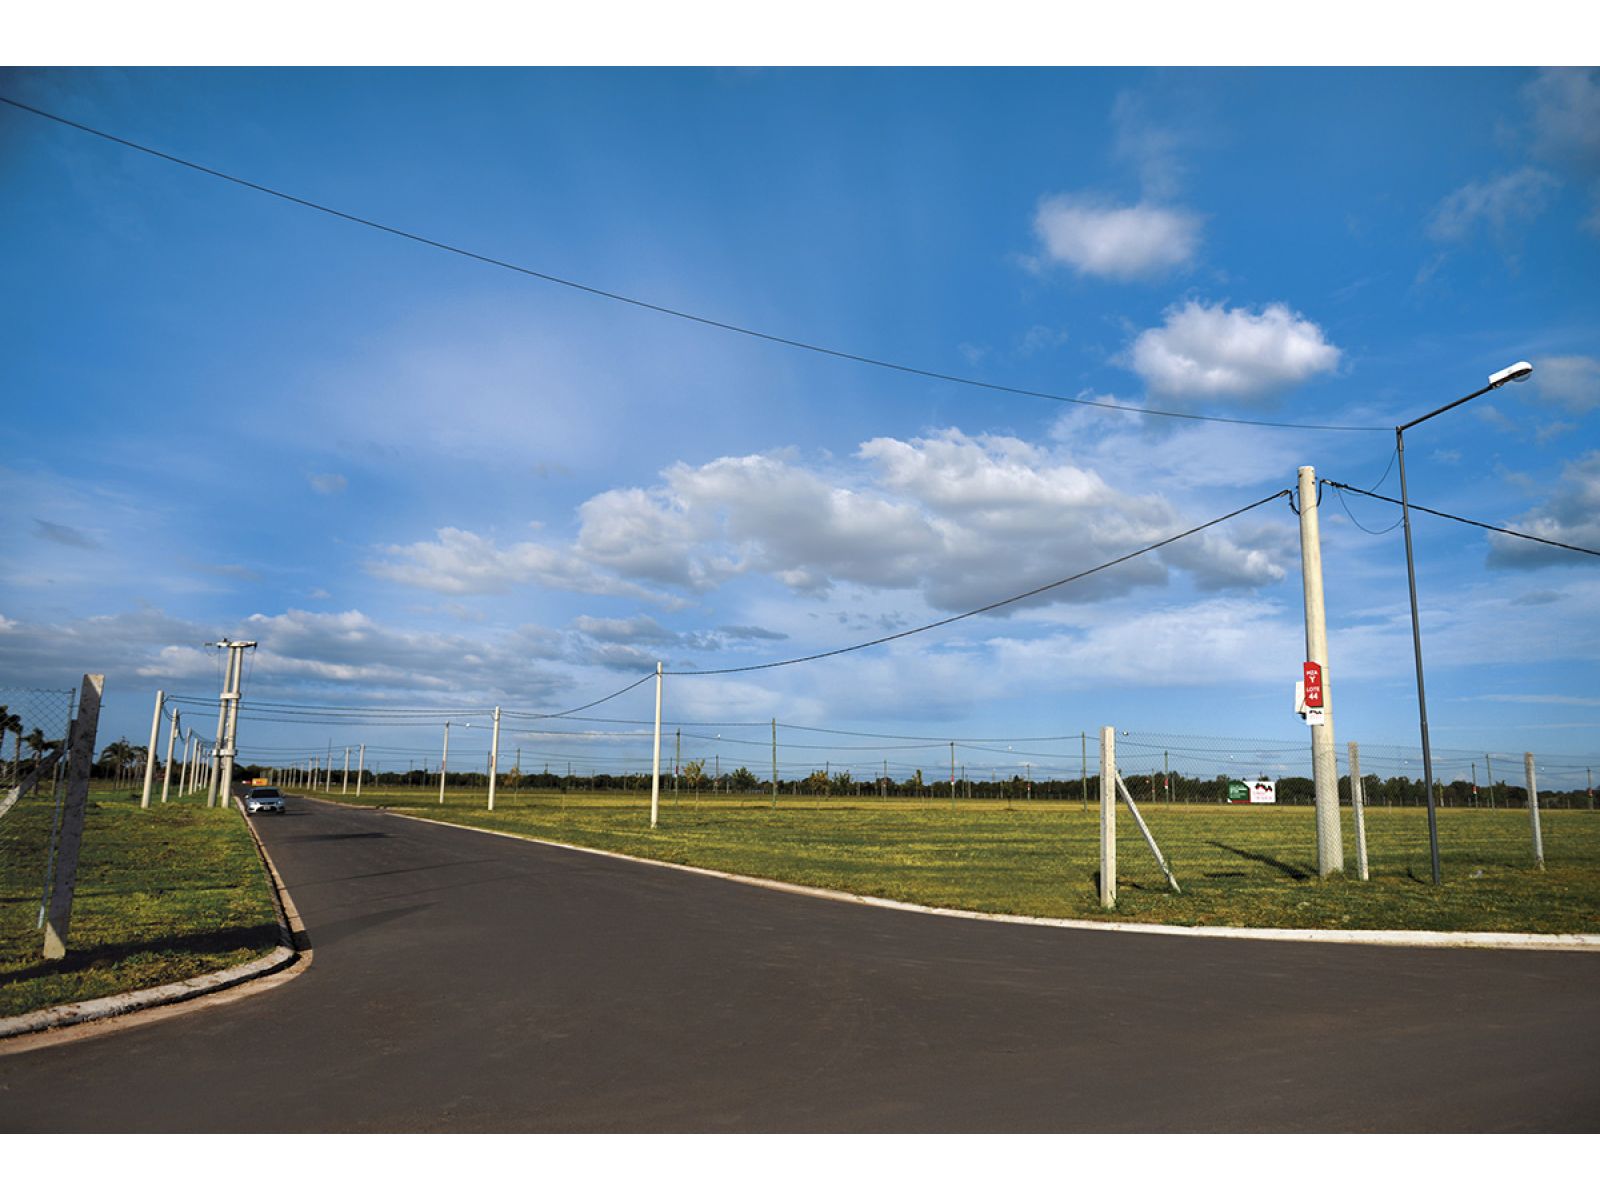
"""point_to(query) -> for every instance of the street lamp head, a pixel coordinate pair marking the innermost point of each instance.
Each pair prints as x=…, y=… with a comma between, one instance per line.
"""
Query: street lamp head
x=1515, y=373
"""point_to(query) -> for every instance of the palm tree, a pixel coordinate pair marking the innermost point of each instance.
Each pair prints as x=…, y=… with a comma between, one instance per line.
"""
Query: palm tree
x=38, y=743
x=13, y=723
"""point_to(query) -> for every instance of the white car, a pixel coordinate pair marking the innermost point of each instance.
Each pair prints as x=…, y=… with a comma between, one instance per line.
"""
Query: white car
x=263, y=799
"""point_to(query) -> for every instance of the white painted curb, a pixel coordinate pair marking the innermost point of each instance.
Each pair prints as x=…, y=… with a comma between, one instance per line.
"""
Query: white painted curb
x=1432, y=939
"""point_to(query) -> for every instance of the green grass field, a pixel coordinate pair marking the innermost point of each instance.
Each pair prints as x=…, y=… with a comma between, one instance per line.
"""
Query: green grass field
x=162, y=895
x=1238, y=865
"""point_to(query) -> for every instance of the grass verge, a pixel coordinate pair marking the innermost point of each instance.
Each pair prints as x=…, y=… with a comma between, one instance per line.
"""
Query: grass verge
x=1238, y=865
x=163, y=894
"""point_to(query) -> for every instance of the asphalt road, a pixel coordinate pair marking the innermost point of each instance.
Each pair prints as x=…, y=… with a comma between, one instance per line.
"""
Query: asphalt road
x=464, y=982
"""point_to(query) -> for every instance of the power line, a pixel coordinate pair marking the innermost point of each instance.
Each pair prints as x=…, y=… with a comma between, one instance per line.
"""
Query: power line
x=1469, y=521
x=789, y=662
x=1344, y=504
x=680, y=314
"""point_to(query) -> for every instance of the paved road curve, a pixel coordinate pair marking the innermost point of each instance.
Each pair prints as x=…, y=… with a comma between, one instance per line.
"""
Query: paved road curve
x=469, y=982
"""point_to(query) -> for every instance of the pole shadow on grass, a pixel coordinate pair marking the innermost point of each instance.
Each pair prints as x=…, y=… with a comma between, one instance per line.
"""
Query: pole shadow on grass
x=1277, y=864
x=223, y=941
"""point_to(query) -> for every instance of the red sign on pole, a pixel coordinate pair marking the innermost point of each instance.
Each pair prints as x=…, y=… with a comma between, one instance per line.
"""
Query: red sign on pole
x=1313, y=684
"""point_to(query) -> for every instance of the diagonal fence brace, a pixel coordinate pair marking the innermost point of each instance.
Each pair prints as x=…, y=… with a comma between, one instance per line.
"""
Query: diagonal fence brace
x=1127, y=798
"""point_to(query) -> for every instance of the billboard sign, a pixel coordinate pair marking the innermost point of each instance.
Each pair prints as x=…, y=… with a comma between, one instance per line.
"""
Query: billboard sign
x=1263, y=791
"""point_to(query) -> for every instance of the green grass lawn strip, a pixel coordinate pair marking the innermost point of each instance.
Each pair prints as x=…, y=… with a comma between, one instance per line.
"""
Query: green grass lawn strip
x=163, y=894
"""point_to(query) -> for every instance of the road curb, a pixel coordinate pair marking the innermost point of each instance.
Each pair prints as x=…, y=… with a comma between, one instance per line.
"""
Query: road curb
x=32, y=1030
x=1409, y=938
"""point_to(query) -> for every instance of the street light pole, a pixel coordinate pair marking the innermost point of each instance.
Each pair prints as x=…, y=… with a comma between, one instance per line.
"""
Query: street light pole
x=1515, y=373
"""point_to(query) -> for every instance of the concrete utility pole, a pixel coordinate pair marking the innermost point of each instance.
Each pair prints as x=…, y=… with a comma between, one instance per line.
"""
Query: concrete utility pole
x=677, y=760
x=655, y=768
x=1324, y=763
x=172, y=738
x=233, y=718
x=1488, y=778
x=58, y=912
x=494, y=756
x=361, y=768
x=150, y=754
x=344, y=780
x=222, y=726
x=183, y=778
x=774, y=762
x=444, y=761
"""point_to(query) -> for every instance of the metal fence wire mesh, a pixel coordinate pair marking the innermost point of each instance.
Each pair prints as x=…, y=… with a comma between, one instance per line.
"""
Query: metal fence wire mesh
x=1182, y=783
x=34, y=723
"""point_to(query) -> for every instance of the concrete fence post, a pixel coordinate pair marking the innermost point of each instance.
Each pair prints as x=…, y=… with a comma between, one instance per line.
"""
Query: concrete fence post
x=1108, y=817
x=1533, y=812
x=150, y=755
x=1358, y=804
x=172, y=741
x=58, y=913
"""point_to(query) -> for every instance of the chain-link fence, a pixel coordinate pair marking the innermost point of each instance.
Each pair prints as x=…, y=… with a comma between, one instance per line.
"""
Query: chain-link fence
x=1205, y=796
x=34, y=722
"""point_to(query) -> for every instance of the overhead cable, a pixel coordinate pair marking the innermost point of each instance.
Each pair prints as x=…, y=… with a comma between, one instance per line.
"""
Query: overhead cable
x=1468, y=521
x=664, y=310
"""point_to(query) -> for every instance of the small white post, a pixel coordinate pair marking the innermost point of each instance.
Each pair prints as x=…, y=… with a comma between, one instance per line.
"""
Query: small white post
x=150, y=754
x=344, y=788
x=1358, y=805
x=494, y=756
x=444, y=761
x=361, y=768
x=1533, y=812
x=655, y=769
x=1108, y=817
x=172, y=740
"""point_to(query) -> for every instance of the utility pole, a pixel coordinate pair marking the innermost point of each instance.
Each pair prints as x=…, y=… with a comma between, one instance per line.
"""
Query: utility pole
x=233, y=718
x=344, y=787
x=774, y=762
x=172, y=738
x=444, y=761
x=655, y=760
x=150, y=754
x=188, y=754
x=494, y=756
x=952, y=777
x=222, y=753
x=361, y=768
x=1324, y=763
x=677, y=759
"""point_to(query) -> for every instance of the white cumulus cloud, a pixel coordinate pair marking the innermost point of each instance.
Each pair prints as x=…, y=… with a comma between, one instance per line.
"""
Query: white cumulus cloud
x=1572, y=381
x=1097, y=238
x=1215, y=351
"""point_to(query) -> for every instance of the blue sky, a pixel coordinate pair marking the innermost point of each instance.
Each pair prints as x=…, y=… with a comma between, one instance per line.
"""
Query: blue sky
x=421, y=481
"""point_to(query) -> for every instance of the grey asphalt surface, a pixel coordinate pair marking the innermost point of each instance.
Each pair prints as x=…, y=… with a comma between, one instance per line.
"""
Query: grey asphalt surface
x=464, y=982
